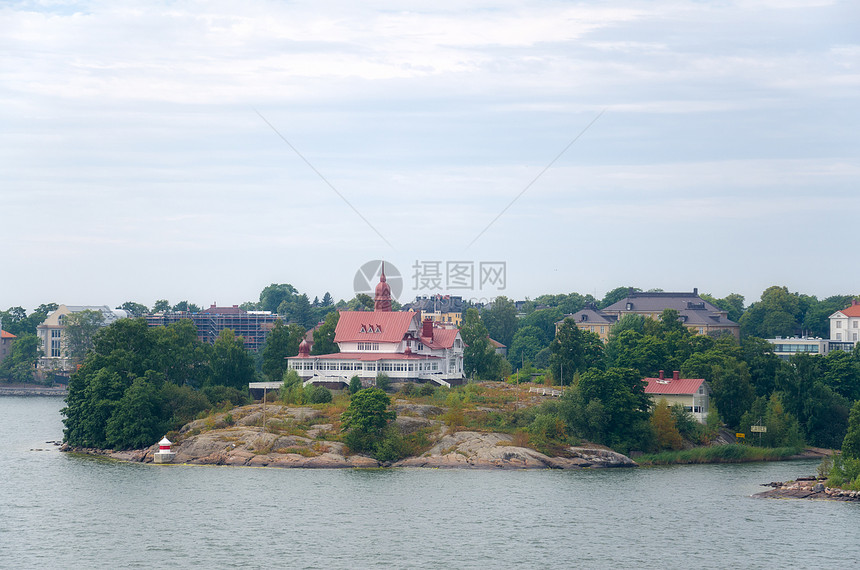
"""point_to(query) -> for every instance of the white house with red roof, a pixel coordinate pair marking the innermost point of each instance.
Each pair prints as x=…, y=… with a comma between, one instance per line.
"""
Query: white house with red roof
x=692, y=393
x=845, y=324
x=396, y=343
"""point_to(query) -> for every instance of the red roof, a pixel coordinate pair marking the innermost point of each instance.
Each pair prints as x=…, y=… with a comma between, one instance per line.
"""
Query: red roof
x=376, y=326
x=369, y=356
x=497, y=344
x=442, y=338
x=685, y=386
x=852, y=311
x=4, y=334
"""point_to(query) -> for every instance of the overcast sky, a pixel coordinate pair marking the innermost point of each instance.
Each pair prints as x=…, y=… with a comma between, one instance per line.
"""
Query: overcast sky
x=203, y=150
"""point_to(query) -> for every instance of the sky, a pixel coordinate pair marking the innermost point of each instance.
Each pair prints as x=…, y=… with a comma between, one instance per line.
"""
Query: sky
x=200, y=151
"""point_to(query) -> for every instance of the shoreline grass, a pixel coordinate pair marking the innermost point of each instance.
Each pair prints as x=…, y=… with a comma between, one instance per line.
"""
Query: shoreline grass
x=718, y=454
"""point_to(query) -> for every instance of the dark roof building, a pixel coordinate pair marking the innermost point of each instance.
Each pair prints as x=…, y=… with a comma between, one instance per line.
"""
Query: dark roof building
x=695, y=313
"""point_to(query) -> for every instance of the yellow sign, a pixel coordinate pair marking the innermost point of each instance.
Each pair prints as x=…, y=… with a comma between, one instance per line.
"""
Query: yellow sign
x=741, y=435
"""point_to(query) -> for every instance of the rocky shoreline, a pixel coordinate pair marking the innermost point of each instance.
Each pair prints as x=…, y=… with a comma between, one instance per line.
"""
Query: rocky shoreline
x=244, y=442
x=460, y=450
x=807, y=488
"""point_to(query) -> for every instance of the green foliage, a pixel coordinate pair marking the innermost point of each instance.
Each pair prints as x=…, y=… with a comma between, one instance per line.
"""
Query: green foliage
x=81, y=328
x=663, y=421
x=231, y=364
x=134, y=310
x=354, y=384
x=718, y=454
x=20, y=364
x=844, y=473
x=319, y=395
x=778, y=313
x=366, y=419
x=16, y=321
x=851, y=443
x=426, y=389
x=479, y=357
x=137, y=381
x=383, y=382
x=136, y=422
x=281, y=342
x=783, y=429
x=500, y=319
x=324, y=336
x=574, y=350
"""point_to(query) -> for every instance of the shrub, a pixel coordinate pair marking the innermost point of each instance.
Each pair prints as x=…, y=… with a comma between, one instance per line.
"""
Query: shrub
x=426, y=389
x=383, y=382
x=319, y=395
x=354, y=384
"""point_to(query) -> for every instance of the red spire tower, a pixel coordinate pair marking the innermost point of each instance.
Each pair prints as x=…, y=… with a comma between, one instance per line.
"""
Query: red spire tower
x=382, y=299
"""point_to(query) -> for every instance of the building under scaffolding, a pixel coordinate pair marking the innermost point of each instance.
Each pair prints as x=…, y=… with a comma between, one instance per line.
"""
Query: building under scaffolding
x=252, y=326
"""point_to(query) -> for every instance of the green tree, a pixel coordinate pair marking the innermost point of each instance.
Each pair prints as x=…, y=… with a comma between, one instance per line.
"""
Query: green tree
x=501, y=320
x=663, y=421
x=366, y=418
x=732, y=304
x=275, y=351
x=161, y=306
x=528, y=342
x=231, y=364
x=179, y=355
x=135, y=421
x=851, y=442
x=272, y=296
x=479, y=356
x=20, y=364
x=616, y=295
x=729, y=378
x=778, y=313
x=134, y=309
x=81, y=328
x=574, y=350
x=324, y=336
x=354, y=384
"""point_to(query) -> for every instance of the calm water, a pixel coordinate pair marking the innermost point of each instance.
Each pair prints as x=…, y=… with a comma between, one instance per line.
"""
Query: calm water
x=59, y=511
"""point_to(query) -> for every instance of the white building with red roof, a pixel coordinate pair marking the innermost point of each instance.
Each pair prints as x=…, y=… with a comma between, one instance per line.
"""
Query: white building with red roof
x=692, y=393
x=845, y=324
x=396, y=343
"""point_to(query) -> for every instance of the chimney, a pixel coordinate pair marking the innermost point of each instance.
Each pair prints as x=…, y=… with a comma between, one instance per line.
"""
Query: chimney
x=675, y=375
x=853, y=302
x=661, y=375
x=695, y=291
x=427, y=331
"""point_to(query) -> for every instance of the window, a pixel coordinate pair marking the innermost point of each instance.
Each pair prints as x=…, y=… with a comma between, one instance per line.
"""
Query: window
x=838, y=336
x=854, y=324
x=55, y=333
x=855, y=337
x=838, y=324
x=55, y=348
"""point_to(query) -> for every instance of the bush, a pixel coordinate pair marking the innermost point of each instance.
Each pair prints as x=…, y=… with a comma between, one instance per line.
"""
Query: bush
x=383, y=382
x=220, y=395
x=354, y=384
x=318, y=395
x=407, y=388
x=426, y=389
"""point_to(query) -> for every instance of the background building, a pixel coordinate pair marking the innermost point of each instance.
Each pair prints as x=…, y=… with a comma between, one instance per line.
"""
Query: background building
x=52, y=336
x=252, y=326
x=697, y=315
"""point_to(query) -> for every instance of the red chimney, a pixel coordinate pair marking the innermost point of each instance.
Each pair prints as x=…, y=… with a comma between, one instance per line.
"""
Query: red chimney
x=676, y=375
x=427, y=331
x=661, y=375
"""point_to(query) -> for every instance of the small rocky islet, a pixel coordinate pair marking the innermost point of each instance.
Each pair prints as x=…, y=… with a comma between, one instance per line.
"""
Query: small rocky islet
x=296, y=437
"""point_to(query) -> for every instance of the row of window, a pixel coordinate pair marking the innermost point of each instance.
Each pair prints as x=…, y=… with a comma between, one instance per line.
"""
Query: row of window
x=368, y=346
x=367, y=366
x=854, y=324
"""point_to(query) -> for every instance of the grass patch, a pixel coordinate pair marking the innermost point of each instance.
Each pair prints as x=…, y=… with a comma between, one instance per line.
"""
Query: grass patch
x=718, y=454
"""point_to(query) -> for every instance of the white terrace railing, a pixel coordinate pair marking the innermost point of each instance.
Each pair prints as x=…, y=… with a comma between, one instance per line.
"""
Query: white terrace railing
x=545, y=391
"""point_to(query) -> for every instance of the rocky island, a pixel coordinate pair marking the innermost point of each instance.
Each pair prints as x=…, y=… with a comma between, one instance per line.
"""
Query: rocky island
x=296, y=437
